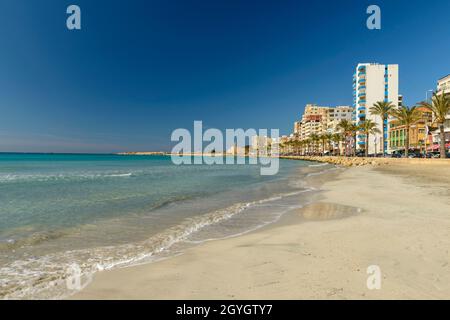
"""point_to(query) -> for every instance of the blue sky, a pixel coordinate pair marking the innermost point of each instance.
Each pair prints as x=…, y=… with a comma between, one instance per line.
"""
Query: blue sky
x=139, y=69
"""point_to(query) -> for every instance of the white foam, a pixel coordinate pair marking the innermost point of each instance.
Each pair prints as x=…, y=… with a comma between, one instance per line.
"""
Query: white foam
x=26, y=278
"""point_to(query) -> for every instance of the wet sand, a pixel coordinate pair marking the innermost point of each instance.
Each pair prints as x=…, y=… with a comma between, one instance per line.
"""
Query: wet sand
x=396, y=217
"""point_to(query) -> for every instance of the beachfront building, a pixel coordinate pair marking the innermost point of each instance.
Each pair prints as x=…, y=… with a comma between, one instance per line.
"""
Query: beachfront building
x=418, y=137
x=279, y=145
x=297, y=127
x=260, y=145
x=314, y=121
x=400, y=100
x=236, y=150
x=373, y=82
x=443, y=87
x=319, y=120
x=336, y=115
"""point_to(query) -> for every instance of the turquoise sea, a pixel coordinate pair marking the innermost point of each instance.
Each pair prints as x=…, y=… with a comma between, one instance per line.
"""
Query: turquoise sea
x=107, y=211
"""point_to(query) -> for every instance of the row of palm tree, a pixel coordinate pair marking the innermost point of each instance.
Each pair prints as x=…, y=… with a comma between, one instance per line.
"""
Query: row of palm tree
x=439, y=106
x=406, y=116
x=349, y=130
x=315, y=144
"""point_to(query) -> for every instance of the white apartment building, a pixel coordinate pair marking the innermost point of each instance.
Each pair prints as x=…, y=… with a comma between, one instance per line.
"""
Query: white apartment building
x=336, y=115
x=373, y=82
x=443, y=87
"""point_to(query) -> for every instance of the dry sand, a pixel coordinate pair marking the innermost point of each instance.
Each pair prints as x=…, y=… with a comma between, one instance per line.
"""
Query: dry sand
x=395, y=217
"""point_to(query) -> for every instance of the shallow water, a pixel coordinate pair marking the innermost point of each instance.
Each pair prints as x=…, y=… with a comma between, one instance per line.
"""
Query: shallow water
x=106, y=211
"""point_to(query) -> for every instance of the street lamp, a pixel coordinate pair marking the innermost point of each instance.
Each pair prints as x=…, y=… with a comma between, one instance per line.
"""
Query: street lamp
x=426, y=123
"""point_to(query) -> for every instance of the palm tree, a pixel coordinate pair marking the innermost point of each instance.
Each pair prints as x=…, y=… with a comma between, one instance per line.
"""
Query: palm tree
x=314, y=139
x=345, y=127
x=299, y=147
x=304, y=146
x=295, y=147
x=407, y=117
x=292, y=146
x=307, y=143
x=353, y=129
x=368, y=127
x=326, y=138
x=323, y=141
x=337, y=138
x=382, y=109
x=440, y=107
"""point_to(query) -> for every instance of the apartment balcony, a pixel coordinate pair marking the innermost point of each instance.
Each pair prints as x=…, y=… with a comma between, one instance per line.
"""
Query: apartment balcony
x=361, y=143
x=361, y=87
x=362, y=100
x=362, y=94
x=362, y=81
x=362, y=108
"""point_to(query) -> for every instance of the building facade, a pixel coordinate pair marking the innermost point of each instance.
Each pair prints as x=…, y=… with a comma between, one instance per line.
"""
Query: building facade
x=319, y=120
x=373, y=82
x=418, y=138
x=443, y=87
x=260, y=145
x=336, y=115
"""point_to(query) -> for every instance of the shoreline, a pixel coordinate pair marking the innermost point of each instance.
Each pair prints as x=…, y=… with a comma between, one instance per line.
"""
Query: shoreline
x=323, y=257
x=362, y=161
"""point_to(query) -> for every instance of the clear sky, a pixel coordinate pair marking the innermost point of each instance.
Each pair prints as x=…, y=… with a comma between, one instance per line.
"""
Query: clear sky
x=139, y=69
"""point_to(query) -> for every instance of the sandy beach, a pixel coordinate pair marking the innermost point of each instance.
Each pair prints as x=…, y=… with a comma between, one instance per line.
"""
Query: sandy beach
x=396, y=217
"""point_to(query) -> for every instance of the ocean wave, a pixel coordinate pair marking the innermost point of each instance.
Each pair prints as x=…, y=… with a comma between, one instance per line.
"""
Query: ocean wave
x=11, y=178
x=45, y=277
x=318, y=165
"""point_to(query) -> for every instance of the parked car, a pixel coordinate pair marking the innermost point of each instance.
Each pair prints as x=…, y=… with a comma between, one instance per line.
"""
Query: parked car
x=396, y=155
x=436, y=155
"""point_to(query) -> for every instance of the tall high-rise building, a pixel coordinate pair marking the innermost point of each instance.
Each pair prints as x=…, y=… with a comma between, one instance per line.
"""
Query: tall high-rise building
x=373, y=82
x=314, y=121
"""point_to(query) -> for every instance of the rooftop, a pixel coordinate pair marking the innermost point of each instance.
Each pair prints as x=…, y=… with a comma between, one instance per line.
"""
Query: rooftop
x=447, y=76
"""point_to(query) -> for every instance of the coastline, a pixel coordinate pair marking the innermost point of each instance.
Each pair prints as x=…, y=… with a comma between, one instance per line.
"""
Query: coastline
x=362, y=161
x=388, y=216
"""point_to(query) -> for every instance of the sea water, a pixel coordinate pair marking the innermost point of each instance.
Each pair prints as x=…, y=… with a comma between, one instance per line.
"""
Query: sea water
x=106, y=211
